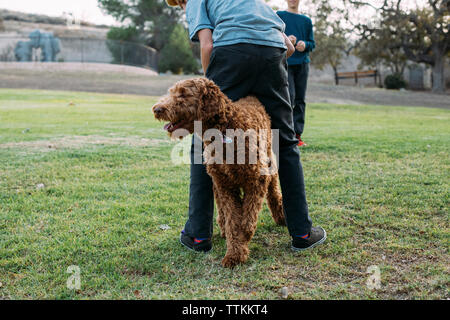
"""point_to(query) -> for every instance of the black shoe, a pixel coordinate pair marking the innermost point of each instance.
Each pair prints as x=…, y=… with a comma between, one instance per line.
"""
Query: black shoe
x=317, y=235
x=194, y=244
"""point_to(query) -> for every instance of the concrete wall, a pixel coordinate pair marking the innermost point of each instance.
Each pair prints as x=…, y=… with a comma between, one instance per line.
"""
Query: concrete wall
x=81, y=50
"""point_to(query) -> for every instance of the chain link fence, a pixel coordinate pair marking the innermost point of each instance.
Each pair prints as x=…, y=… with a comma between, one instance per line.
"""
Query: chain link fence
x=82, y=50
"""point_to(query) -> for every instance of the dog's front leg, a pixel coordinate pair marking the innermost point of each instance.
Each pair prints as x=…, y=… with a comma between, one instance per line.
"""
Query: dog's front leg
x=231, y=210
x=241, y=226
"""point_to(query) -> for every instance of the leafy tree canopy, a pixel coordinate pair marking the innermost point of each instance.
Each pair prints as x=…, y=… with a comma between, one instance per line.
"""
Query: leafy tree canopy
x=419, y=34
x=177, y=56
x=152, y=20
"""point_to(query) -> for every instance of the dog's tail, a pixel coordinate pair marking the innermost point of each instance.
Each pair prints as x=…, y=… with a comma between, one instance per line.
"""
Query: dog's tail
x=275, y=201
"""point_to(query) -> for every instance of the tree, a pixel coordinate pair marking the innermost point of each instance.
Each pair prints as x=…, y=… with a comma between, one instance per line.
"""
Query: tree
x=126, y=48
x=368, y=50
x=177, y=55
x=117, y=38
x=153, y=20
x=422, y=34
x=375, y=51
x=155, y=24
x=330, y=34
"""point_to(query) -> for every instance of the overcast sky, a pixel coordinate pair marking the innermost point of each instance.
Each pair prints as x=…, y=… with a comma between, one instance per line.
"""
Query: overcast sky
x=88, y=10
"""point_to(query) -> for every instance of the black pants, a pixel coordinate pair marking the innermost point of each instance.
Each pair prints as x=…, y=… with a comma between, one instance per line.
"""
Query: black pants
x=298, y=80
x=241, y=70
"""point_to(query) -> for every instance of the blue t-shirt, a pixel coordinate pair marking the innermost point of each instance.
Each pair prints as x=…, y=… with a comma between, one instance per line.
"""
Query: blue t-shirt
x=301, y=27
x=235, y=21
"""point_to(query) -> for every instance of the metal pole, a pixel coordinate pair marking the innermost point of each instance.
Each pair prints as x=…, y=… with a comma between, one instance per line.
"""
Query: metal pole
x=121, y=52
x=82, y=50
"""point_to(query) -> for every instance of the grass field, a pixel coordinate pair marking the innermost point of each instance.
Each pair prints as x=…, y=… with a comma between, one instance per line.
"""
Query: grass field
x=86, y=180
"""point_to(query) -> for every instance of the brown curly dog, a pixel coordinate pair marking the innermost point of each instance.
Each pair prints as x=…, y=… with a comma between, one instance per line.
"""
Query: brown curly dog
x=240, y=184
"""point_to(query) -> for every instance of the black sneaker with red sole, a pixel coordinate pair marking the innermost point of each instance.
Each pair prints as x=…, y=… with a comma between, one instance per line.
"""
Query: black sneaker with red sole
x=317, y=235
x=194, y=244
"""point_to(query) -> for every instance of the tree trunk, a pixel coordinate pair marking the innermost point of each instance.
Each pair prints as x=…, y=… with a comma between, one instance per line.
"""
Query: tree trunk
x=336, y=79
x=438, y=73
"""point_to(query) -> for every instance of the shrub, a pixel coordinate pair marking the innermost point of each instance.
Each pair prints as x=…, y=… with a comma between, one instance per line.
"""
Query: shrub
x=395, y=81
x=176, y=56
x=124, y=44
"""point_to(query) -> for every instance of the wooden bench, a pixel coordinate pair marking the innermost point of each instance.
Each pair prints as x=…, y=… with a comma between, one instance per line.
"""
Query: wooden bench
x=356, y=74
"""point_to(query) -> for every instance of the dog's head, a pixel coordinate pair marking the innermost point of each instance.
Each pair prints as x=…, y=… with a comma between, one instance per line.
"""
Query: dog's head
x=190, y=100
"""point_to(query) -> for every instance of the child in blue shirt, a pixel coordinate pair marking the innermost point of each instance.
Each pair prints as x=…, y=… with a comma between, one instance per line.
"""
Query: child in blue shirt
x=299, y=28
x=243, y=50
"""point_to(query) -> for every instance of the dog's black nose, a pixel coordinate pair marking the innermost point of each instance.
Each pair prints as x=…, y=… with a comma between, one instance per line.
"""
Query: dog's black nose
x=158, y=110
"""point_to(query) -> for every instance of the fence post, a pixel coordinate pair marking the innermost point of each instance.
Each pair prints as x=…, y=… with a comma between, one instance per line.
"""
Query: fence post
x=82, y=50
x=356, y=77
x=121, y=52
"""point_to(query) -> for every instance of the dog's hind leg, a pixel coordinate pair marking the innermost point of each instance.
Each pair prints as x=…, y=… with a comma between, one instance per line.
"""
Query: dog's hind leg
x=275, y=201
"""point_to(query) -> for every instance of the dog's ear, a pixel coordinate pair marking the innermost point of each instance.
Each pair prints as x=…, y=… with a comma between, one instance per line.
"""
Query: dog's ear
x=178, y=89
x=213, y=100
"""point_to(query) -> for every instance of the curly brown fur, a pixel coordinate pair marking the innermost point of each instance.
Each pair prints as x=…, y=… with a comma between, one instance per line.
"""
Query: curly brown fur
x=239, y=189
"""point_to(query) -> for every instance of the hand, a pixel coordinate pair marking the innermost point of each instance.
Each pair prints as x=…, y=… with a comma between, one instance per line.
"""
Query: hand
x=301, y=46
x=293, y=39
x=182, y=4
x=290, y=47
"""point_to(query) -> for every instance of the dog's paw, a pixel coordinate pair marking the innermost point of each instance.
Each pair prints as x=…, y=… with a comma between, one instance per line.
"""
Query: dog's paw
x=230, y=261
x=280, y=221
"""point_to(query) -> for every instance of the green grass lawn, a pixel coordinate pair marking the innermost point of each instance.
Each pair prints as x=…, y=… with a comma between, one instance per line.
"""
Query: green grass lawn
x=377, y=180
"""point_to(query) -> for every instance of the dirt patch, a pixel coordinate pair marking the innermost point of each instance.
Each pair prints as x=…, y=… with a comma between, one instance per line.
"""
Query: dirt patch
x=106, y=78
x=57, y=67
x=351, y=95
x=102, y=78
x=78, y=142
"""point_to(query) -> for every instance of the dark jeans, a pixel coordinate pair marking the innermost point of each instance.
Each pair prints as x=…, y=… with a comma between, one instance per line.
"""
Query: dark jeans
x=241, y=70
x=298, y=79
